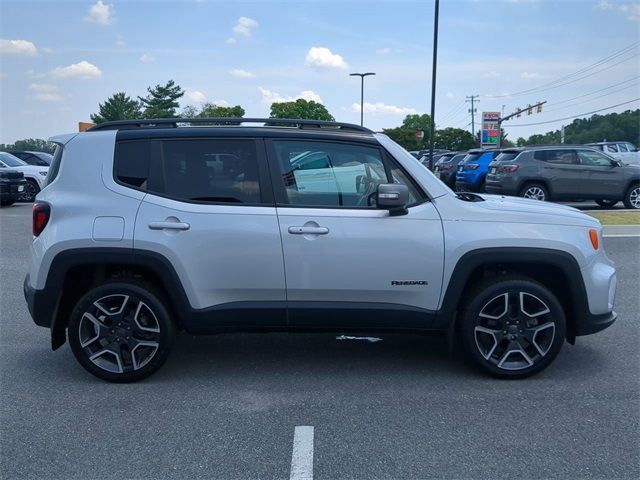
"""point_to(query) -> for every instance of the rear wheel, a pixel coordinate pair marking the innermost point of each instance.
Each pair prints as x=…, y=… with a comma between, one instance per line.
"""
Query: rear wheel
x=511, y=327
x=606, y=203
x=535, y=191
x=121, y=331
x=31, y=189
x=632, y=197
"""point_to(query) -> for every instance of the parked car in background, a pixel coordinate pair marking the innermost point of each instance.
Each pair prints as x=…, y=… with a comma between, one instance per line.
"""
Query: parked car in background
x=39, y=159
x=565, y=173
x=447, y=167
x=472, y=170
x=34, y=175
x=624, y=151
x=12, y=185
x=424, y=160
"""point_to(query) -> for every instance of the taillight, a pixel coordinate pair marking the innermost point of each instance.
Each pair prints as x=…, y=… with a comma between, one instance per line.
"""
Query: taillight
x=41, y=213
x=508, y=169
x=471, y=166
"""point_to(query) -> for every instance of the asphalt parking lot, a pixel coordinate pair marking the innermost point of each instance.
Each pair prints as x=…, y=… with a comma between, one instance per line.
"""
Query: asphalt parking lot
x=226, y=407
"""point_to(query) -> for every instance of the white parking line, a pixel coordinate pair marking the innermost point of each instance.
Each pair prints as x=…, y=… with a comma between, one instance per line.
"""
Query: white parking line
x=302, y=456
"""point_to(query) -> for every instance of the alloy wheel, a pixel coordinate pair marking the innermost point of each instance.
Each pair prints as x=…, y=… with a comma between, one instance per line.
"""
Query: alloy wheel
x=119, y=333
x=30, y=192
x=514, y=330
x=534, y=193
x=634, y=197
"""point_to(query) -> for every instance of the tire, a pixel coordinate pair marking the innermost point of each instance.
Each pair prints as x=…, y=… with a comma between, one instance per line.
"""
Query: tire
x=130, y=343
x=31, y=189
x=607, y=203
x=535, y=191
x=530, y=314
x=632, y=197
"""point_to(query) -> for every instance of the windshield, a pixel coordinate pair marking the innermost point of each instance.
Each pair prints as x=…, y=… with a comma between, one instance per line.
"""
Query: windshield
x=11, y=161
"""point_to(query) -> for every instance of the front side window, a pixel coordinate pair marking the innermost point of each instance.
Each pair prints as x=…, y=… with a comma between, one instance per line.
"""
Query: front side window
x=623, y=147
x=594, y=159
x=11, y=161
x=334, y=174
x=207, y=170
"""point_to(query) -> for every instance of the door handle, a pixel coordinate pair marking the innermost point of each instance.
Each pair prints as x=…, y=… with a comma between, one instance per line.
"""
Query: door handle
x=169, y=226
x=308, y=230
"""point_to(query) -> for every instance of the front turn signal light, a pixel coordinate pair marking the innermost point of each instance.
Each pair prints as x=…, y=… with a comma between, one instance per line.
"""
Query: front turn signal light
x=595, y=241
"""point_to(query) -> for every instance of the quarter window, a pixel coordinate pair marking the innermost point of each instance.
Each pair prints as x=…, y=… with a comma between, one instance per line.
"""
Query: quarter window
x=132, y=163
x=334, y=174
x=218, y=171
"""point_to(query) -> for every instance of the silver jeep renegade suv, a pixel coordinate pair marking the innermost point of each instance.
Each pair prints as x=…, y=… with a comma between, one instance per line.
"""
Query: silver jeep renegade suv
x=149, y=227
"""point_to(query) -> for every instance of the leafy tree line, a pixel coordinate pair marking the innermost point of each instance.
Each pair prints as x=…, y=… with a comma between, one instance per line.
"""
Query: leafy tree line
x=33, y=144
x=624, y=127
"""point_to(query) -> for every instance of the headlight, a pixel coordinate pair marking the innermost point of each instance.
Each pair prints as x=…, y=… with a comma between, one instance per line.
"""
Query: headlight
x=44, y=174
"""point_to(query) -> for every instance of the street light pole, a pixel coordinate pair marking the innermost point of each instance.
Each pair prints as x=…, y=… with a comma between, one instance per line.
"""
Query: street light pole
x=361, y=75
x=433, y=84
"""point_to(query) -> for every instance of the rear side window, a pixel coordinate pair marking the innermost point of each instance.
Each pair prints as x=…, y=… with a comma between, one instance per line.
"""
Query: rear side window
x=131, y=164
x=506, y=156
x=206, y=170
x=560, y=157
x=611, y=148
x=472, y=156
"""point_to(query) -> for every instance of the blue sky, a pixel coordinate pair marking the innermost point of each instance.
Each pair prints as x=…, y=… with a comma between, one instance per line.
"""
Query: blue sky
x=59, y=59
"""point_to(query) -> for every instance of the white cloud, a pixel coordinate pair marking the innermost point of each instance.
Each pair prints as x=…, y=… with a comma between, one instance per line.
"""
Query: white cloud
x=323, y=58
x=450, y=95
x=47, y=50
x=632, y=10
x=604, y=5
x=81, y=69
x=380, y=107
x=239, y=73
x=269, y=97
x=231, y=41
x=491, y=74
x=48, y=97
x=533, y=75
x=383, y=51
x=17, y=47
x=42, y=87
x=244, y=26
x=221, y=103
x=147, y=58
x=196, y=96
x=101, y=13
x=120, y=41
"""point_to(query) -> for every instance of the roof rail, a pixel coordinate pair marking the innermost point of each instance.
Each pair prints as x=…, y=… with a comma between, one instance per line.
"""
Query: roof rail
x=275, y=122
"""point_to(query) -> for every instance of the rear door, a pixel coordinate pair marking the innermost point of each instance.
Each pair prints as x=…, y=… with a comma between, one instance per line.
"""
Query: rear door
x=561, y=170
x=209, y=210
x=341, y=253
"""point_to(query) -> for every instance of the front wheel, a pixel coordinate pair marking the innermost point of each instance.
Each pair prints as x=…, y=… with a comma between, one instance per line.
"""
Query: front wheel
x=535, y=191
x=121, y=331
x=511, y=327
x=632, y=197
x=606, y=203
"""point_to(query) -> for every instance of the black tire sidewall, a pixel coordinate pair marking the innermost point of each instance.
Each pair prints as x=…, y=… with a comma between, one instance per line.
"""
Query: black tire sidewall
x=148, y=296
x=476, y=300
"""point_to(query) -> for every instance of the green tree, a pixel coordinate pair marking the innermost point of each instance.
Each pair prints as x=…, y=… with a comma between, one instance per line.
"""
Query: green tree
x=33, y=144
x=162, y=100
x=301, y=109
x=455, y=139
x=118, y=106
x=216, y=111
x=404, y=137
x=418, y=122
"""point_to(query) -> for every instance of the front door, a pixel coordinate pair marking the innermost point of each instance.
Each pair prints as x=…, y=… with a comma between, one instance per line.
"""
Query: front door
x=347, y=263
x=604, y=178
x=209, y=210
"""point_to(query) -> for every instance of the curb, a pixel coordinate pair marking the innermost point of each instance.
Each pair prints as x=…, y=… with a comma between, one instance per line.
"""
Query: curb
x=621, y=231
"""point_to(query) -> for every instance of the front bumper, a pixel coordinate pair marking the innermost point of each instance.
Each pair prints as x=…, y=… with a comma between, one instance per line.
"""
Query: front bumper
x=595, y=323
x=12, y=189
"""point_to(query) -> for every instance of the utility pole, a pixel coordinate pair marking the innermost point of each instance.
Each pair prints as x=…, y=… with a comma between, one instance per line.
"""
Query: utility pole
x=432, y=134
x=471, y=99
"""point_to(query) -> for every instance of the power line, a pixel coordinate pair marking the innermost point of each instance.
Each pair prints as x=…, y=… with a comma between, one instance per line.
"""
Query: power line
x=453, y=112
x=557, y=82
x=596, y=91
x=594, y=98
x=575, y=116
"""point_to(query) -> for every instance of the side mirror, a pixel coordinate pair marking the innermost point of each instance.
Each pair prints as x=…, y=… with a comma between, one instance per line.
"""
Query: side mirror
x=393, y=197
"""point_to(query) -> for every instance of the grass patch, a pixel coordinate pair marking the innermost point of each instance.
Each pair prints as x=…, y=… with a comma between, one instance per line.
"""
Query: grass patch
x=617, y=218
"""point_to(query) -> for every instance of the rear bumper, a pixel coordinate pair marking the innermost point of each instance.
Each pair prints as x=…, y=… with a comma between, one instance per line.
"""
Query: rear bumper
x=41, y=305
x=595, y=323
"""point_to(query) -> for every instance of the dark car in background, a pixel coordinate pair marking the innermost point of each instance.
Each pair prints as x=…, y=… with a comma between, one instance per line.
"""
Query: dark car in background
x=12, y=186
x=564, y=173
x=447, y=166
x=39, y=159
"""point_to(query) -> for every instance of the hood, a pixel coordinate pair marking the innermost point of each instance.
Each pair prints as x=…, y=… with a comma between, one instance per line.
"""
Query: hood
x=553, y=212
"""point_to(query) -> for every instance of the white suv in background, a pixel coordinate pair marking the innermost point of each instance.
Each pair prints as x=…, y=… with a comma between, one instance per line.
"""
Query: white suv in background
x=34, y=175
x=305, y=226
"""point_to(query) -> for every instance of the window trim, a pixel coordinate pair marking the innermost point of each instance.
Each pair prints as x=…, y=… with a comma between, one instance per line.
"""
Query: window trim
x=279, y=190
